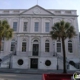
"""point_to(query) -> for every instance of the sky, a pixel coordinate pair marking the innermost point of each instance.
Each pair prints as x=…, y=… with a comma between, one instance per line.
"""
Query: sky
x=47, y=4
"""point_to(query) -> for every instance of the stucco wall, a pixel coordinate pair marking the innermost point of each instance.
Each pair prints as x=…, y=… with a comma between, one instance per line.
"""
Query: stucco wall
x=42, y=63
x=16, y=65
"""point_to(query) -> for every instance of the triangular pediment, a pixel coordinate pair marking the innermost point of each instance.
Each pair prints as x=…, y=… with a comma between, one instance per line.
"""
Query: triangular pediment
x=37, y=10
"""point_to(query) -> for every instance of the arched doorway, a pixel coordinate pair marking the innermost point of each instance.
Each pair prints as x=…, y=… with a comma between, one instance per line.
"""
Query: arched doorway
x=35, y=48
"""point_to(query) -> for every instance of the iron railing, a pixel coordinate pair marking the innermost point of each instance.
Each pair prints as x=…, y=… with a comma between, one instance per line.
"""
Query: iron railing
x=31, y=53
x=76, y=65
x=27, y=53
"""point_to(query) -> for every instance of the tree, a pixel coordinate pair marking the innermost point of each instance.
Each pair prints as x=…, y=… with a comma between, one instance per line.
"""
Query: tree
x=5, y=31
x=62, y=30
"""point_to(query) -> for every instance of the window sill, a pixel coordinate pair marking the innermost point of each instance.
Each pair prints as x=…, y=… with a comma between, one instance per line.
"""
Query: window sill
x=47, y=52
x=47, y=32
x=59, y=52
x=36, y=32
x=70, y=52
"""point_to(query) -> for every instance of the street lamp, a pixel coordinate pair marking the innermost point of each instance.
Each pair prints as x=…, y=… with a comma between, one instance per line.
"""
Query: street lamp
x=55, y=54
x=13, y=53
x=57, y=61
x=15, y=48
x=0, y=61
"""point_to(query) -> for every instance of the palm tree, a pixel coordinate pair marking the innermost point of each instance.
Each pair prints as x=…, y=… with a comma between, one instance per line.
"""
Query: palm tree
x=62, y=30
x=5, y=31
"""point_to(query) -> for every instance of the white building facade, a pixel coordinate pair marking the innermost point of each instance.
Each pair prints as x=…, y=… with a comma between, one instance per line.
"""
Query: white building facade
x=34, y=47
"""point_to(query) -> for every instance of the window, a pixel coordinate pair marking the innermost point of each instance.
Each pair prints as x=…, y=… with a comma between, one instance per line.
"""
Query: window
x=6, y=11
x=20, y=62
x=47, y=62
x=16, y=11
x=47, y=46
x=58, y=12
x=68, y=12
x=23, y=46
x=70, y=46
x=12, y=45
x=58, y=46
x=15, y=26
x=25, y=26
x=47, y=27
x=36, y=26
x=35, y=40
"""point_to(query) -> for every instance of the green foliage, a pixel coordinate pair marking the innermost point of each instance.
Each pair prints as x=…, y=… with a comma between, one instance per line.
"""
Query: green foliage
x=5, y=31
x=62, y=30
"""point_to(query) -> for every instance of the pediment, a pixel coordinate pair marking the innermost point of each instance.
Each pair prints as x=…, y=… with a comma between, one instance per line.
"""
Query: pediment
x=37, y=10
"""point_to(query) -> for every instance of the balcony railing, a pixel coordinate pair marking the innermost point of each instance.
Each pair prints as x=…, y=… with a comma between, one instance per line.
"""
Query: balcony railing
x=31, y=53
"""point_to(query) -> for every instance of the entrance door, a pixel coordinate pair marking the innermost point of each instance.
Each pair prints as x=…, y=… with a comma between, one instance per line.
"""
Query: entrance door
x=34, y=63
x=35, y=49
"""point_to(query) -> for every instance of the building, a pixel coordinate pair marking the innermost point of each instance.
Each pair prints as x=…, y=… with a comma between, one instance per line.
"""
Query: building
x=34, y=46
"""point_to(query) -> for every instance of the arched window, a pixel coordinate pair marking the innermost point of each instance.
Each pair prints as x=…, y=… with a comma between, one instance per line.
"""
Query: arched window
x=35, y=40
x=24, y=39
x=13, y=45
x=70, y=46
x=47, y=41
x=24, y=45
x=47, y=46
x=58, y=46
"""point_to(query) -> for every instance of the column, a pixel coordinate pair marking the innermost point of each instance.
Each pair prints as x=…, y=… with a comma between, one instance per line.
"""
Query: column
x=19, y=42
x=30, y=46
x=42, y=25
x=42, y=46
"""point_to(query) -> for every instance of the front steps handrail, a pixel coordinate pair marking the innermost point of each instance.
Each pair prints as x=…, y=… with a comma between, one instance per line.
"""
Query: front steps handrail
x=7, y=56
x=61, y=57
x=76, y=65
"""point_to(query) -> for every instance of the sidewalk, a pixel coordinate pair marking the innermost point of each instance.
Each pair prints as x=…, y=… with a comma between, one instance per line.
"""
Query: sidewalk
x=31, y=71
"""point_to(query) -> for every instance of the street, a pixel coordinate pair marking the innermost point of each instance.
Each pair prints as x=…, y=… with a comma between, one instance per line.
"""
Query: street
x=8, y=76
x=23, y=74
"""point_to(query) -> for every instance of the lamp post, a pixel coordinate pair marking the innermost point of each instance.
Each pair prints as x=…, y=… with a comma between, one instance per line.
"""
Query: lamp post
x=55, y=53
x=15, y=47
x=57, y=60
x=13, y=53
x=0, y=62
